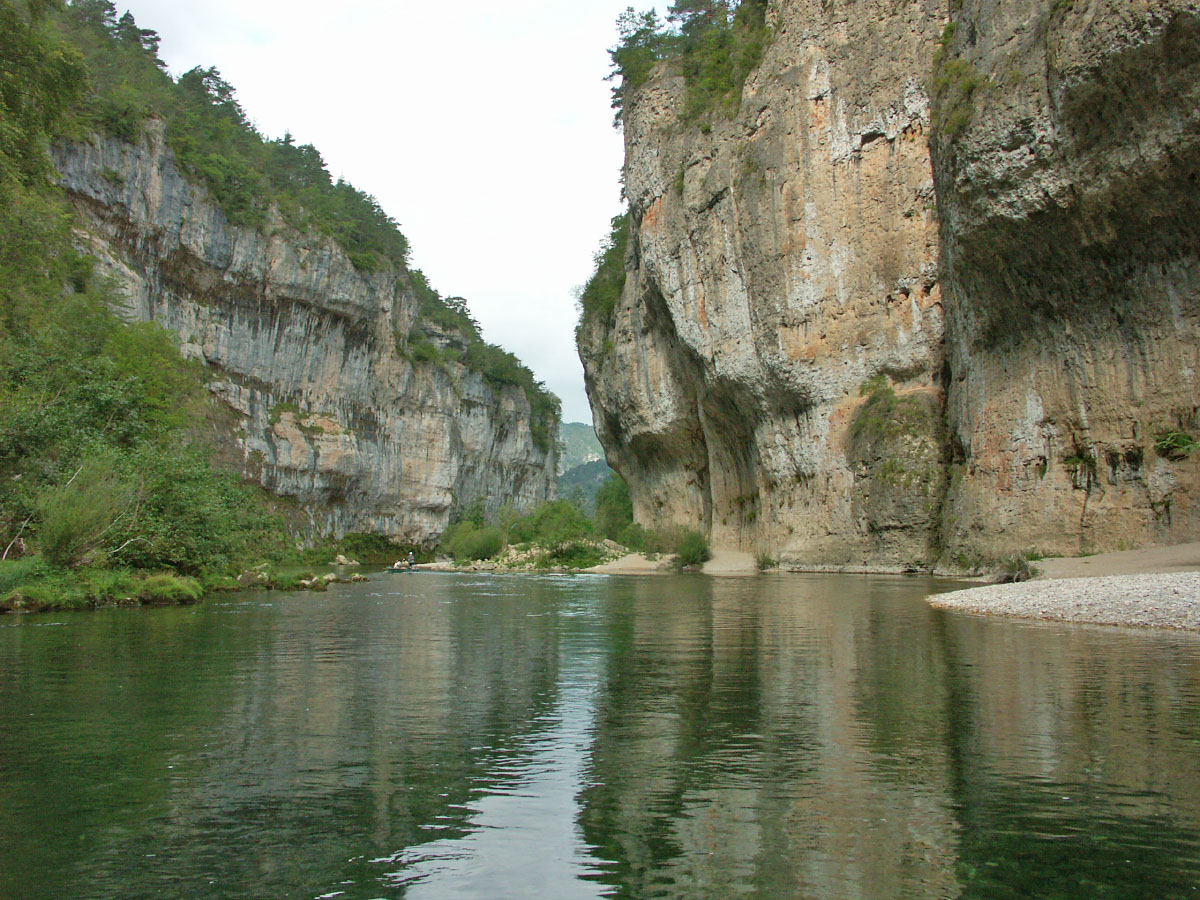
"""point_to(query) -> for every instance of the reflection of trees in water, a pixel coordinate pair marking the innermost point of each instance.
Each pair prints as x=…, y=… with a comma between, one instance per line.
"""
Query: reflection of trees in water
x=773, y=737
x=326, y=732
x=93, y=709
x=408, y=710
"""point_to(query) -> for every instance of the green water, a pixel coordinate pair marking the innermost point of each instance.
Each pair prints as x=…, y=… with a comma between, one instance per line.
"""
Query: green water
x=444, y=736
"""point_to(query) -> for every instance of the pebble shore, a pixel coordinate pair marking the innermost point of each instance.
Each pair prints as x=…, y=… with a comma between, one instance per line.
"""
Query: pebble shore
x=1143, y=601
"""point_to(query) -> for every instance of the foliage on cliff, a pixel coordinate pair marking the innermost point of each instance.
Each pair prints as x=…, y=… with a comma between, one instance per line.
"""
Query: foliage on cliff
x=599, y=296
x=716, y=43
x=248, y=174
x=499, y=368
x=954, y=84
x=99, y=471
x=39, y=78
x=213, y=140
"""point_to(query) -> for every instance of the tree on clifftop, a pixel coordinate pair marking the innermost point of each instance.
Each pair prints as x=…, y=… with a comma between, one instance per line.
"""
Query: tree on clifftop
x=717, y=43
x=696, y=16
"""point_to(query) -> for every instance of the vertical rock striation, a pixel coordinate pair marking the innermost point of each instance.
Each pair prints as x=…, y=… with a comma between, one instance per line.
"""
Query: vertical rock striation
x=932, y=292
x=1068, y=186
x=782, y=265
x=307, y=354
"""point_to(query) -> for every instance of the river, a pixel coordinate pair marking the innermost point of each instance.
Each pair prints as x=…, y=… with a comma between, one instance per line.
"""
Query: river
x=453, y=736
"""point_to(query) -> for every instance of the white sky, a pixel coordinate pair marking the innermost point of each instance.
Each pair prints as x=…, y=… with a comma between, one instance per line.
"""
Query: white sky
x=483, y=128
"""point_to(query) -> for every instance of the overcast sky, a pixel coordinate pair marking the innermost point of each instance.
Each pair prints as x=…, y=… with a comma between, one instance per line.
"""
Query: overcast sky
x=483, y=128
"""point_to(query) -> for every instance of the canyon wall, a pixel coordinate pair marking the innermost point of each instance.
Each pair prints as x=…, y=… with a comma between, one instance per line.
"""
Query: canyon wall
x=930, y=294
x=307, y=355
x=782, y=264
x=1068, y=186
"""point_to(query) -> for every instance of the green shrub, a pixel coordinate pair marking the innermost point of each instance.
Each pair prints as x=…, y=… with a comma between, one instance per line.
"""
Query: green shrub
x=1016, y=568
x=598, y=299
x=423, y=350
x=51, y=593
x=170, y=589
x=78, y=517
x=192, y=518
x=765, y=560
x=576, y=555
x=886, y=415
x=111, y=585
x=219, y=582
x=649, y=541
x=48, y=588
x=277, y=412
x=286, y=580
x=483, y=544
x=467, y=542
x=614, y=507
x=40, y=78
x=15, y=572
x=953, y=88
x=691, y=549
x=45, y=588
x=371, y=549
x=552, y=524
x=1175, y=445
x=632, y=536
x=716, y=52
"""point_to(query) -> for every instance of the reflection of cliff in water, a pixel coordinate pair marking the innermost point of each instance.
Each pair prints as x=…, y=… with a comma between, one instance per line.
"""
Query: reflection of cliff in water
x=786, y=739
x=395, y=715
x=441, y=736
x=278, y=744
x=1075, y=757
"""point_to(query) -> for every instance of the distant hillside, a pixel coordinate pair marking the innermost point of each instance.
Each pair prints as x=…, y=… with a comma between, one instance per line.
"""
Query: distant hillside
x=584, y=480
x=580, y=446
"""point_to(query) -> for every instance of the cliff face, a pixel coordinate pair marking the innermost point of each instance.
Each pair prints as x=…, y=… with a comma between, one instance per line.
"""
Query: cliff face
x=1069, y=192
x=307, y=354
x=867, y=323
x=777, y=265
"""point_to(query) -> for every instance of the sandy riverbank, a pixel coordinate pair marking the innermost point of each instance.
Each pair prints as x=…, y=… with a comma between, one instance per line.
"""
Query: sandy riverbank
x=1158, y=587
x=723, y=563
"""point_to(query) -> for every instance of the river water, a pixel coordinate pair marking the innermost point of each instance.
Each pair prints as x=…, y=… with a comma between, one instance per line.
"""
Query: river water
x=451, y=736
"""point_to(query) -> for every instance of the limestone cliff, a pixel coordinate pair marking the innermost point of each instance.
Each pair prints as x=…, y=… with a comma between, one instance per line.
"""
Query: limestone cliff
x=930, y=293
x=307, y=353
x=778, y=262
x=1068, y=185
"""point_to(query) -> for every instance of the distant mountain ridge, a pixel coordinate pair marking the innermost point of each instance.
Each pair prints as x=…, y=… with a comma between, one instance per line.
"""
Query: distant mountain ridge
x=580, y=445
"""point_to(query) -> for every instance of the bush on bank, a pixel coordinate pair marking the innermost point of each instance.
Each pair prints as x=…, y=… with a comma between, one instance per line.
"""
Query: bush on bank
x=561, y=535
x=691, y=549
x=33, y=585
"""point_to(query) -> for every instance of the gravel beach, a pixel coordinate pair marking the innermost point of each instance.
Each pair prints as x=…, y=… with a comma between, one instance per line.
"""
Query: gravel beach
x=1155, y=587
x=1147, y=600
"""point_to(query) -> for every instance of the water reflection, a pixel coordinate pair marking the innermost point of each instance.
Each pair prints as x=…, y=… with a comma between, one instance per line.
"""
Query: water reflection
x=448, y=736
x=754, y=768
